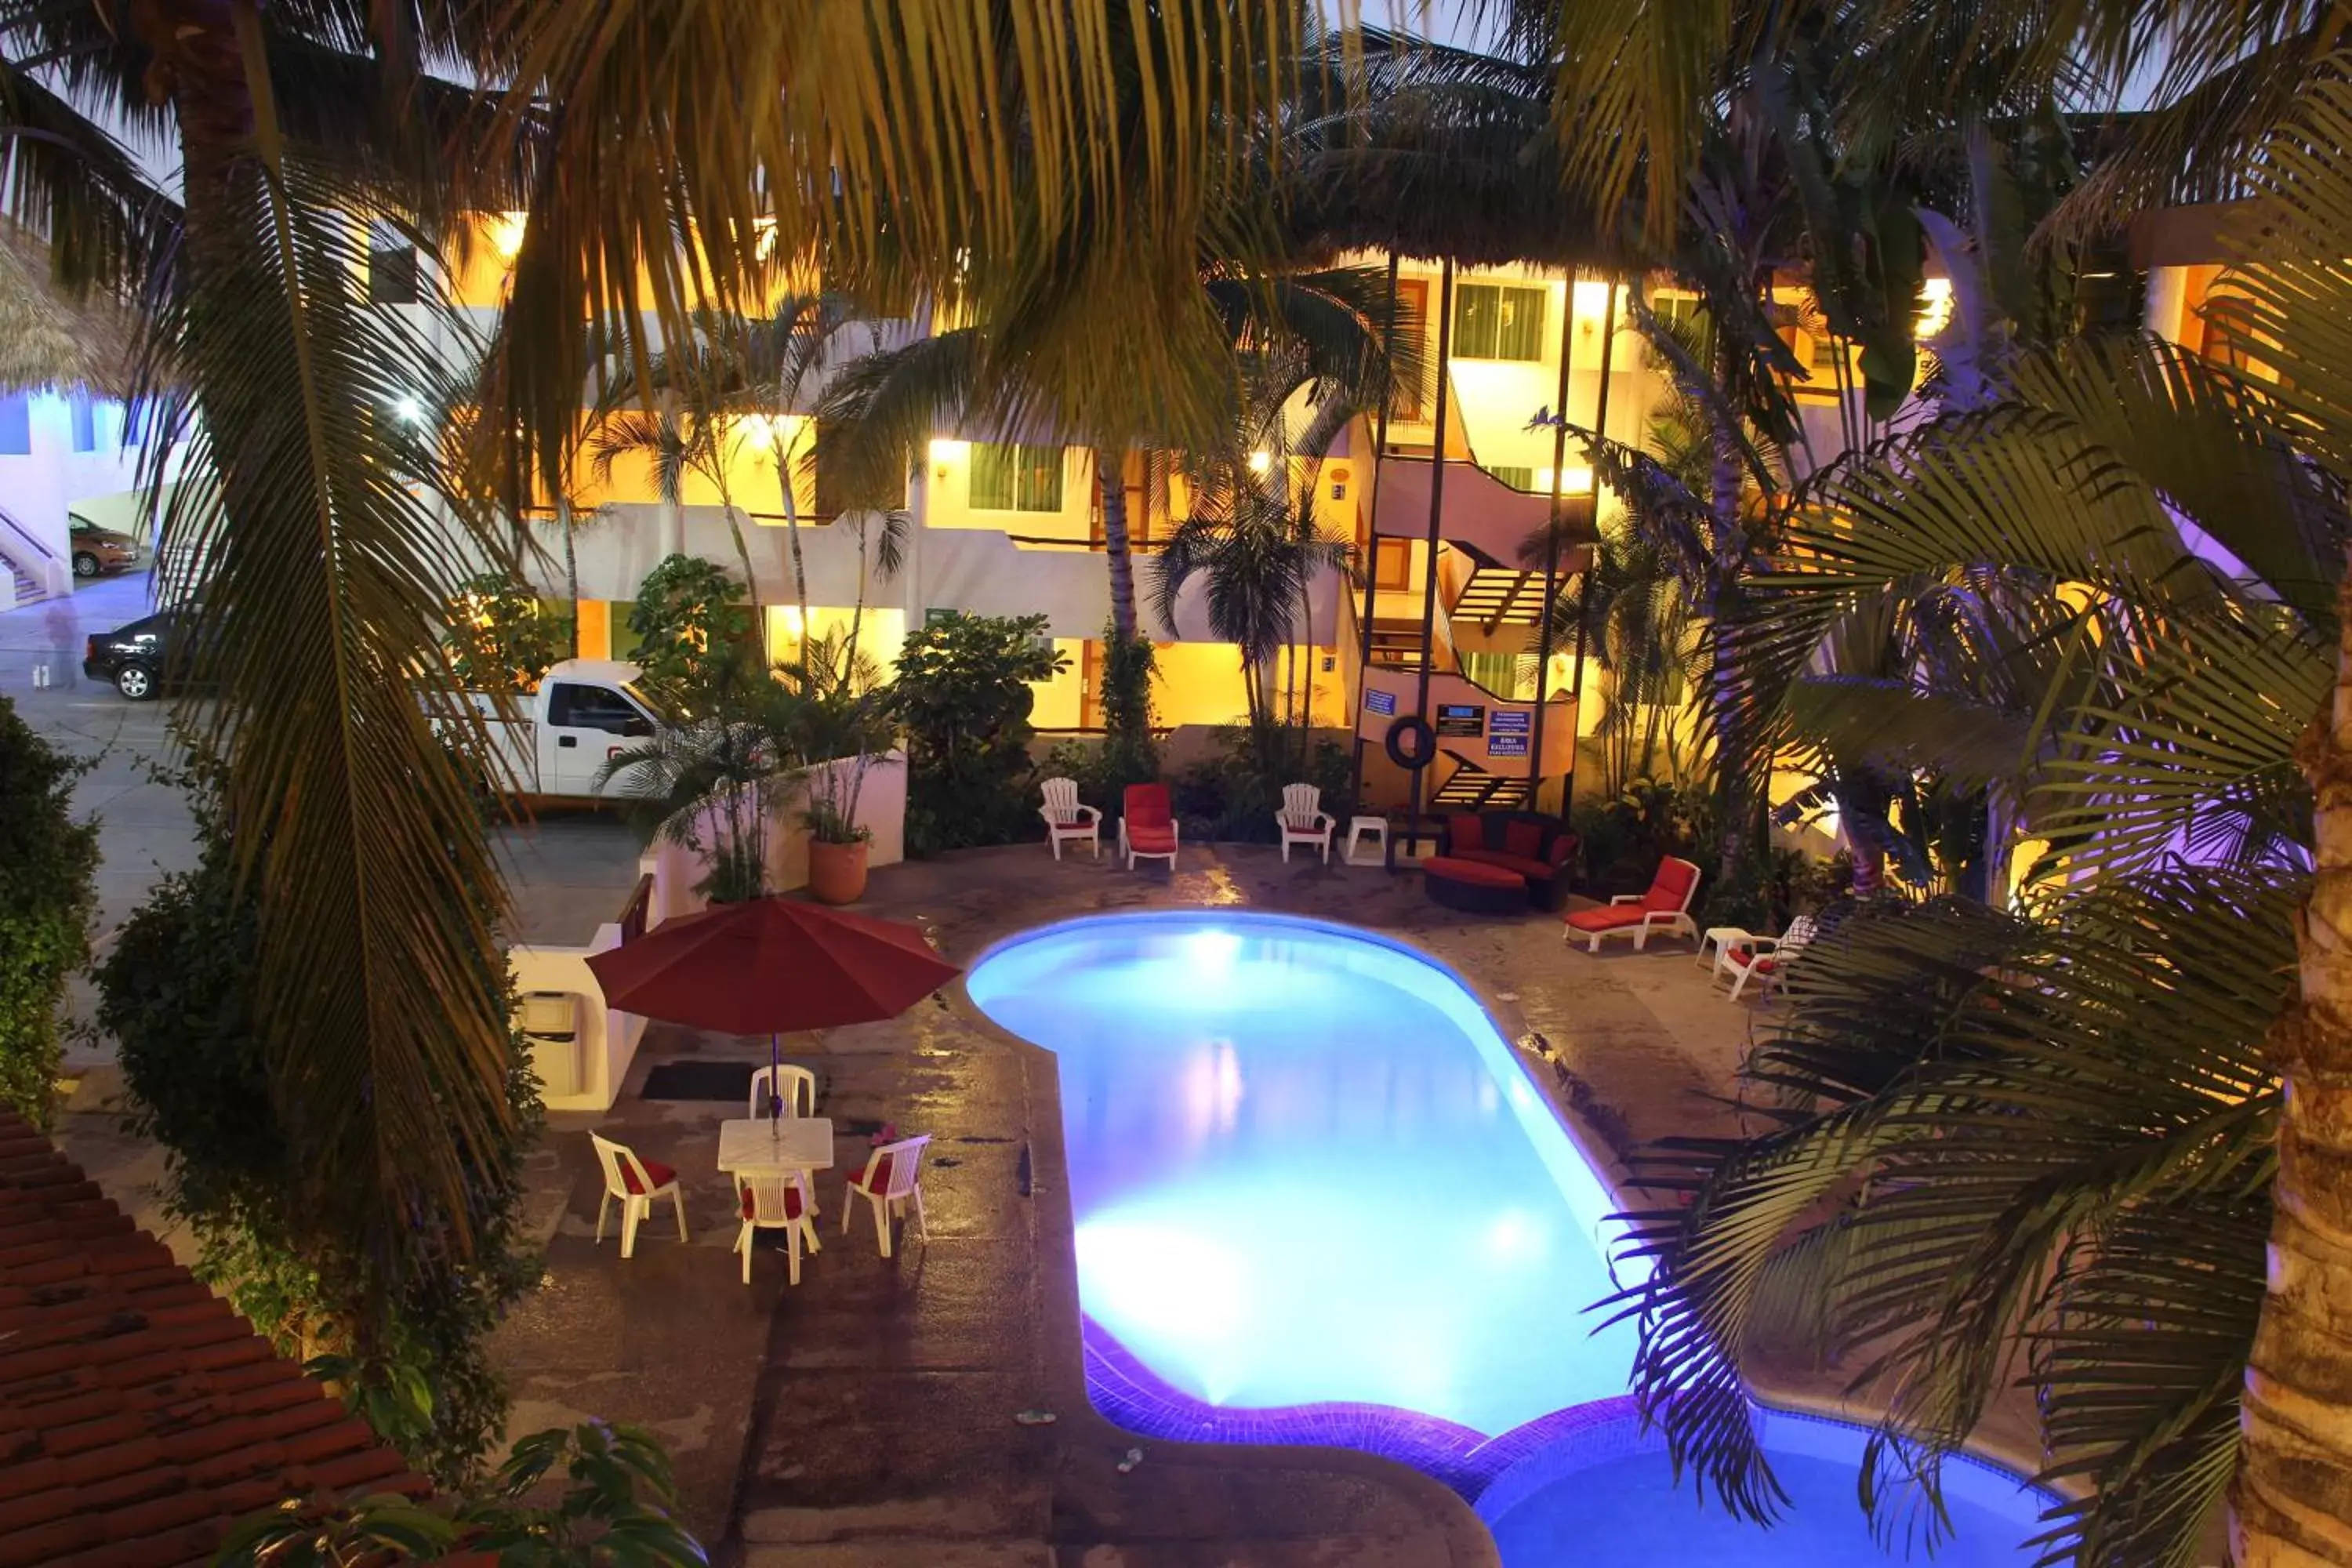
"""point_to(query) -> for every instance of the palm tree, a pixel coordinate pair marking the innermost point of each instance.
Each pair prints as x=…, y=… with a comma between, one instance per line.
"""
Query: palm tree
x=297, y=124
x=2087, y=1141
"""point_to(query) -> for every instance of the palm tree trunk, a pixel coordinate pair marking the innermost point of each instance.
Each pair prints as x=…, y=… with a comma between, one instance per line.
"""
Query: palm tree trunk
x=1723, y=500
x=1112, y=485
x=793, y=538
x=2293, y=1501
x=570, y=566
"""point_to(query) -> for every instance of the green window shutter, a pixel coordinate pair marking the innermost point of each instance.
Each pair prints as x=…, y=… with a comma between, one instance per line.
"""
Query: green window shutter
x=1519, y=478
x=1007, y=478
x=1476, y=306
x=1497, y=320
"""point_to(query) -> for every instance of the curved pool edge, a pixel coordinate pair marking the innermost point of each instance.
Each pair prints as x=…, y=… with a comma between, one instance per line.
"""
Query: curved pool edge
x=1318, y=1485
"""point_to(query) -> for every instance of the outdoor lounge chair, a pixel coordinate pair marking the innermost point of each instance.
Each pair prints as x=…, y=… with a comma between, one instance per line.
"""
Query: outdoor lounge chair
x=1147, y=828
x=1767, y=958
x=1301, y=820
x=1665, y=907
x=891, y=1181
x=636, y=1183
x=776, y=1203
x=1066, y=818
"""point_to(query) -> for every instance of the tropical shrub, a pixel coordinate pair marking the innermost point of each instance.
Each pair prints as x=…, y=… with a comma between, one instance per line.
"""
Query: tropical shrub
x=1234, y=796
x=503, y=636
x=1129, y=753
x=617, y=1508
x=689, y=618
x=47, y=863
x=962, y=701
x=410, y=1347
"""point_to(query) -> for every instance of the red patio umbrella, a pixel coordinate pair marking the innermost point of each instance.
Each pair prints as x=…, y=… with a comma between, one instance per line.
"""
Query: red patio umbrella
x=767, y=966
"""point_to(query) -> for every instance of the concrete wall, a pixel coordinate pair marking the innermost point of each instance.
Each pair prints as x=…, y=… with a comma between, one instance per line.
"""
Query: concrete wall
x=39, y=489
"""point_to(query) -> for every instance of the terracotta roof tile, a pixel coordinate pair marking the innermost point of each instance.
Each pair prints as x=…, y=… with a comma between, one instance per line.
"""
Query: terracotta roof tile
x=139, y=1416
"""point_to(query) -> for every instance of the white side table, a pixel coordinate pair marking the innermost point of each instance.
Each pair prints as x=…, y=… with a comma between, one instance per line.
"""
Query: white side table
x=1357, y=827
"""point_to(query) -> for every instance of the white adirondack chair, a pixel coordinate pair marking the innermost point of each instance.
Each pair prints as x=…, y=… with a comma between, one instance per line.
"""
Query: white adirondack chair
x=1302, y=820
x=1065, y=817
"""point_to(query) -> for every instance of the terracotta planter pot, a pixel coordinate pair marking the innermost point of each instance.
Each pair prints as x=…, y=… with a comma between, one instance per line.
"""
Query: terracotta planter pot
x=836, y=872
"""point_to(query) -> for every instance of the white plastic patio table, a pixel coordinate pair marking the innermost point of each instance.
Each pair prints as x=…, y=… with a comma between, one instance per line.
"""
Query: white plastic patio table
x=749, y=1146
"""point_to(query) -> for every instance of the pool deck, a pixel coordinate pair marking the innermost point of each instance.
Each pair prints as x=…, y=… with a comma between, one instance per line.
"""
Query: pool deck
x=864, y=1420
x=866, y=1417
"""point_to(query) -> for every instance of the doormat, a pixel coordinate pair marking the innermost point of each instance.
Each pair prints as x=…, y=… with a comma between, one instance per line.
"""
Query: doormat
x=701, y=1081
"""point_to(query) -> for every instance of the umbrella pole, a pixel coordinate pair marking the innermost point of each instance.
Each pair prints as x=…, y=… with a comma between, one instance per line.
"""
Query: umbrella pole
x=775, y=1098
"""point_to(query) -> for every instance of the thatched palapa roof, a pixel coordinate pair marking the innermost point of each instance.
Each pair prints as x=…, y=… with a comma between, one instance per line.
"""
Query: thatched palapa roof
x=49, y=340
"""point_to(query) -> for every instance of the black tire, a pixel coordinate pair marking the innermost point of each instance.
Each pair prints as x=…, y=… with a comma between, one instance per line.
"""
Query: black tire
x=85, y=563
x=1423, y=751
x=136, y=682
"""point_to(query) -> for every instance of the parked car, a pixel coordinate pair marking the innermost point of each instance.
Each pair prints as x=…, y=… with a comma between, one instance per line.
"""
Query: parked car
x=142, y=659
x=98, y=550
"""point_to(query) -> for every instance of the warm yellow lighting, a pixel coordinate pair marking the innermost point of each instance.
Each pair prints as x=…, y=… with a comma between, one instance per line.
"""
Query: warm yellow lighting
x=1578, y=482
x=758, y=431
x=1935, y=307
x=1261, y=461
x=786, y=618
x=1591, y=299
x=945, y=451
x=505, y=233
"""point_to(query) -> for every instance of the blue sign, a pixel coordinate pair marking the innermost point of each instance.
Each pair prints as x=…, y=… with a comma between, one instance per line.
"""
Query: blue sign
x=1506, y=746
x=1508, y=734
x=1381, y=702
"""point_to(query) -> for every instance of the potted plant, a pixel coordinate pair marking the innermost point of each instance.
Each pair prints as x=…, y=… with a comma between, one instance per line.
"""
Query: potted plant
x=845, y=731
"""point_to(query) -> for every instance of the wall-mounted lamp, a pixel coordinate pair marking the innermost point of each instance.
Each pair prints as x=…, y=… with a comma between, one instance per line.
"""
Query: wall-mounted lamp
x=946, y=454
x=1260, y=461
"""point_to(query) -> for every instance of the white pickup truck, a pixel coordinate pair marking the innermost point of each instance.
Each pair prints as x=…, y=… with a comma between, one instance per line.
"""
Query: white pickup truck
x=586, y=712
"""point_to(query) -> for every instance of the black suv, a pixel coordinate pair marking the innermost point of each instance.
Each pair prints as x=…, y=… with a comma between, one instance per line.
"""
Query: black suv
x=142, y=659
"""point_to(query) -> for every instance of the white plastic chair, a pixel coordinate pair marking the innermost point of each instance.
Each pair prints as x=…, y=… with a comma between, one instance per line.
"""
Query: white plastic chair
x=636, y=1183
x=1066, y=818
x=776, y=1203
x=1768, y=956
x=892, y=1179
x=796, y=1085
x=1302, y=820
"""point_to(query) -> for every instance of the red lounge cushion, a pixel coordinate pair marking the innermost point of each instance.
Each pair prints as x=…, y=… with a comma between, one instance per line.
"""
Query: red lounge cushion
x=660, y=1174
x=1742, y=957
x=1477, y=873
x=1523, y=838
x=793, y=1203
x=1671, y=889
x=1615, y=917
x=1518, y=865
x=1147, y=806
x=1151, y=840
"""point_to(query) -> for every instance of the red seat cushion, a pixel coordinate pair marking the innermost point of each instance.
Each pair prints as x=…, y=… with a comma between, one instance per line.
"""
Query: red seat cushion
x=1147, y=806
x=1523, y=838
x=793, y=1203
x=660, y=1174
x=1614, y=917
x=1464, y=833
x=1518, y=865
x=1741, y=957
x=1151, y=840
x=1670, y=890
x=1476, y=872
x=877, y=1180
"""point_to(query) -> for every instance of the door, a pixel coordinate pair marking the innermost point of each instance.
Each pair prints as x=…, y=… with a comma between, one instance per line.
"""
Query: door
x=586, y=726
x=1090, y=663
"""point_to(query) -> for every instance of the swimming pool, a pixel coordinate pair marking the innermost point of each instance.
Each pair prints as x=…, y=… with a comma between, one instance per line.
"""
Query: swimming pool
x=1316, y=1200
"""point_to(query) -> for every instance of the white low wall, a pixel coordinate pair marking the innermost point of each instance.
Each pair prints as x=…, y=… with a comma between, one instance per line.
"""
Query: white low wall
x=881, y=811
x=608, y=1039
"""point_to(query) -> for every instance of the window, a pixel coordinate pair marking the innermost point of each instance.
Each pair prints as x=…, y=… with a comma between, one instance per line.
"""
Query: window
x=15, y=425
x=1519, y=478
x=1688, y=312
x=1413, y=327
x=1497, y=320
x=390, y=267
x=85, y=423
x=1392, y=562
x=1016, y=478
x=574, y=706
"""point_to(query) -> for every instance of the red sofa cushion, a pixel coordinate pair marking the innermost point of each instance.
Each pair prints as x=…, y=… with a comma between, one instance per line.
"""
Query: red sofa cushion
x=1523, y=838
x=1524, y=865
x=1612, y=917
x=661, y=1175
x=1476, y=872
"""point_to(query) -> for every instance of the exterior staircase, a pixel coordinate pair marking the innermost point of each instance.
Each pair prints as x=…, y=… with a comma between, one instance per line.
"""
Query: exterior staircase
x=28, y=591
x=1396, y=644
x=1498, y=595
x=1473, y=788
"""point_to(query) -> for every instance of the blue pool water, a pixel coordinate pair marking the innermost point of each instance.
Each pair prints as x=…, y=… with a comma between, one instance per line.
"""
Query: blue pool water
x=1318, y=1200
x=1305, y=1168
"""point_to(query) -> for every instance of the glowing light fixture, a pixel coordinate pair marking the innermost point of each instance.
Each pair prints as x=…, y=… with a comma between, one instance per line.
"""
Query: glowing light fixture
x=758, y=430
x=1260, y=461
x=1577, y=481
x=946, y=452
x=409, y=409
x=1935, y=307
x=1591, y=298
x=505, y=233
